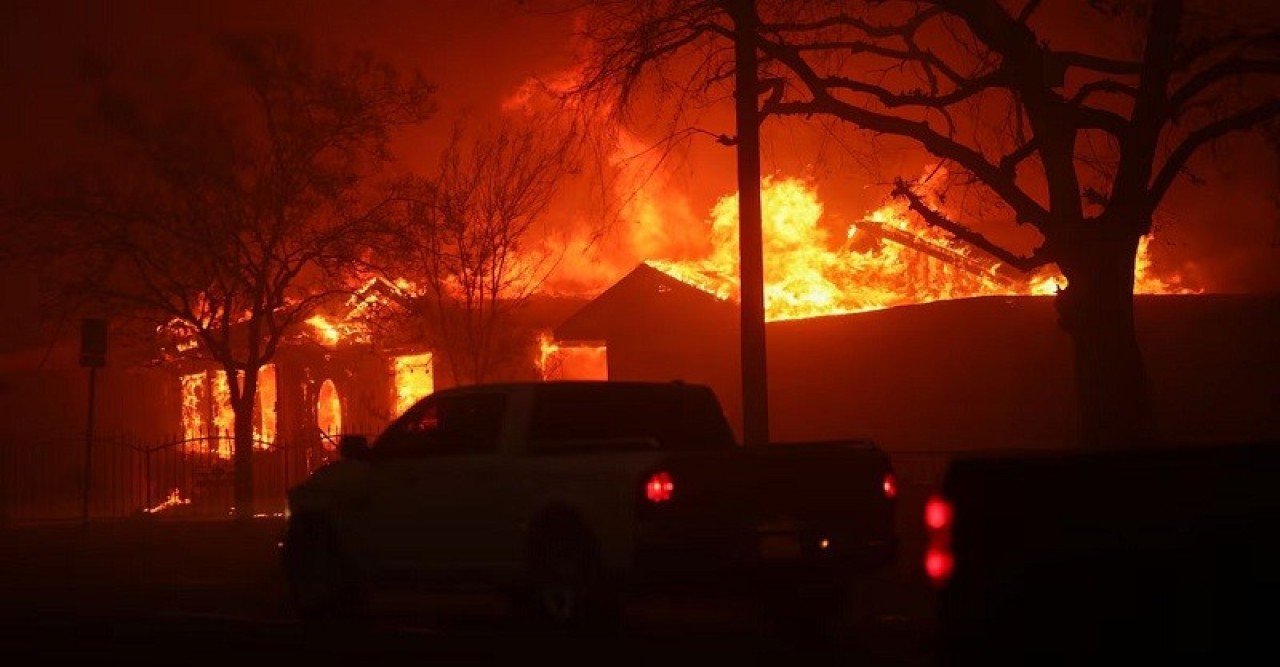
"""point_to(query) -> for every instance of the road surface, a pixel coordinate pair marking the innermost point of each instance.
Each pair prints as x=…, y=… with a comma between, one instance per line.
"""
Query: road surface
x=210, y=592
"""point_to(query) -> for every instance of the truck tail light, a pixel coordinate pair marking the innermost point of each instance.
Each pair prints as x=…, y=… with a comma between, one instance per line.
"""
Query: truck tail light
x=938, y=559
x=659, y=488
x=890, y=486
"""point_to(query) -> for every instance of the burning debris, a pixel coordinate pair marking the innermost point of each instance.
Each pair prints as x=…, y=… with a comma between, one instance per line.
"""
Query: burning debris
x=175, y=499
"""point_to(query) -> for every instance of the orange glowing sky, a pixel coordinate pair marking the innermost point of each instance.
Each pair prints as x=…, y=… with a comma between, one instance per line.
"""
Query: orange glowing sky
x=1226, y=234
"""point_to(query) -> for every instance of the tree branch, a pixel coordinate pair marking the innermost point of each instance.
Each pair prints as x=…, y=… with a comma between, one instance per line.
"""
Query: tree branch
x=1180, y=155
x=1009, y=163
x=848, y=21
x=1102, y=86
x=1027, y=10
x=1026, y=264
x=1203, y=79
x=1027, y=209
x=967, y=89
x=1097, y=63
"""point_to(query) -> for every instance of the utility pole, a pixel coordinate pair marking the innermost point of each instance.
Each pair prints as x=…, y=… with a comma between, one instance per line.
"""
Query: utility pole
x=755, y=377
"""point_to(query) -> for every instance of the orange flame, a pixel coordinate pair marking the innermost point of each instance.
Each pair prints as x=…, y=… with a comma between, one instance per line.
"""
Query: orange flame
x=1146, y=282
x=887, y=259
x=558, y=360
x=325, y=330
x=175, y=499
x=413, y=379
x=207, y=416
x=353, y=325
x=193, y=401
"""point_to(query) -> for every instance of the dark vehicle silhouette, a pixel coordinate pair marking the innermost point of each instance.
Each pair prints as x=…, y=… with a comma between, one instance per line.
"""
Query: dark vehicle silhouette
x=575, y=497
x=1097, y=558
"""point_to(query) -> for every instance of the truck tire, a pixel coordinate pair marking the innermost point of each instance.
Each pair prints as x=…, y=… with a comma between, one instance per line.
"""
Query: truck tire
x=321, y=580
x=566, y=589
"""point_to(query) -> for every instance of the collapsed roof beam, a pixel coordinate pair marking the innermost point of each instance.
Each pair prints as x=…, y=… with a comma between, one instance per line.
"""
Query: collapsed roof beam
x=997, y=273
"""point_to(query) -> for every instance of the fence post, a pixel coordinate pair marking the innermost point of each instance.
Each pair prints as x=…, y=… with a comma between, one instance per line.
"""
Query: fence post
x=88, y=443
x=147, y=475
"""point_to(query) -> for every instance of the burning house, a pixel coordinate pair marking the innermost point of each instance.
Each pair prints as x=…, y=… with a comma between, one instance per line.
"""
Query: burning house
x=163, y=419
x=892, y=330
x=885, y=328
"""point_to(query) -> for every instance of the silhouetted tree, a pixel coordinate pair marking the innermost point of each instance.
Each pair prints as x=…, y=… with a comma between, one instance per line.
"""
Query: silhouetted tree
x=223, y=213
x=468, y=244
x=1075, y=118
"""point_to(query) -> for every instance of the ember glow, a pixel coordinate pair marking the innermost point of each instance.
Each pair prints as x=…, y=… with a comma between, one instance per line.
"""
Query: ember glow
x=224, y=419
x=208, y=420
x=175, y=499
x=888, y=258
x=265, y=424
x=352, y=326
x=564, y=360
x=326, y=332
x=413, y=379
x=194, y=397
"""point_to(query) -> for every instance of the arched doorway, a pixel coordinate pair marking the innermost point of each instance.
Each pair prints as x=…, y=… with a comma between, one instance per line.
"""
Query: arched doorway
x=329, y=415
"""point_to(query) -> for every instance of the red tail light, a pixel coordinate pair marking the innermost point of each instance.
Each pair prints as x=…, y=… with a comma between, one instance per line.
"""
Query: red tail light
x=937, y=513
x=938, y=559
x=938, y=564
x=890, y=485
x=659, y=488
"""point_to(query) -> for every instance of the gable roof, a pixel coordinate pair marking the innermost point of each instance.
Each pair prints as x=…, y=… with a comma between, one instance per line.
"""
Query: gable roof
x=645, y=291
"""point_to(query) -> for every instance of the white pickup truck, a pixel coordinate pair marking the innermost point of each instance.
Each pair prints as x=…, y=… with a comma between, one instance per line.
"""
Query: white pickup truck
x=573, y=496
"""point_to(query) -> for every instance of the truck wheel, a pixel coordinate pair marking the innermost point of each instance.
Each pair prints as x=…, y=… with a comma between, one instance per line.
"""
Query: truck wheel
x=322, y=583
x=566, y=588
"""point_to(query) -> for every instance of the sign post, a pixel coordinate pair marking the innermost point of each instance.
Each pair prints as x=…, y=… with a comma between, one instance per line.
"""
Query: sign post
x=93, y=354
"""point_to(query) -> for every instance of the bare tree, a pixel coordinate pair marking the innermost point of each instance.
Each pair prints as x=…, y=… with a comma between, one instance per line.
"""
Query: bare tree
x=1082, y=145
x=468, y=245
x=224, y=215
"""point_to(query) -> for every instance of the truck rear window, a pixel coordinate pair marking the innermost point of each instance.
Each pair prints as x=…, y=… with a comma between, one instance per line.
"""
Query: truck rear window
x=621, y=415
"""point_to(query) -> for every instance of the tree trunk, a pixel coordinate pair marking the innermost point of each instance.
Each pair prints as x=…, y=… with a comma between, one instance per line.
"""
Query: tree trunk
x=243, y=454
x=1096, y=310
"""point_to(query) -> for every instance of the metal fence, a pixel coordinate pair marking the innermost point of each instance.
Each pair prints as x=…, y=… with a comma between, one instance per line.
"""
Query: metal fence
x=45, y=481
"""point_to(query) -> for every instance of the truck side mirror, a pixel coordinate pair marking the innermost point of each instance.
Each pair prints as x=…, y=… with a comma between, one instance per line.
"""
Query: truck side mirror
x=353, y=447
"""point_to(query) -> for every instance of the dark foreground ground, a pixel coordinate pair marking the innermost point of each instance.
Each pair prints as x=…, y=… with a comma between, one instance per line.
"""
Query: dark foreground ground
x=155, y=591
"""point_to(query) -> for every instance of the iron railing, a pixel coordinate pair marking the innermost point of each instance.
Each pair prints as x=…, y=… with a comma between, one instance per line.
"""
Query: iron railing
x=45, y=480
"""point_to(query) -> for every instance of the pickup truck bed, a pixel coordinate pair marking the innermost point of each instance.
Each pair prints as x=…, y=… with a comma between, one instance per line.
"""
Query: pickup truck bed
x=747, y=513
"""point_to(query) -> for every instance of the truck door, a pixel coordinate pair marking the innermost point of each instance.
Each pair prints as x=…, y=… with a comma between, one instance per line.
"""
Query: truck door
x=433, y=492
